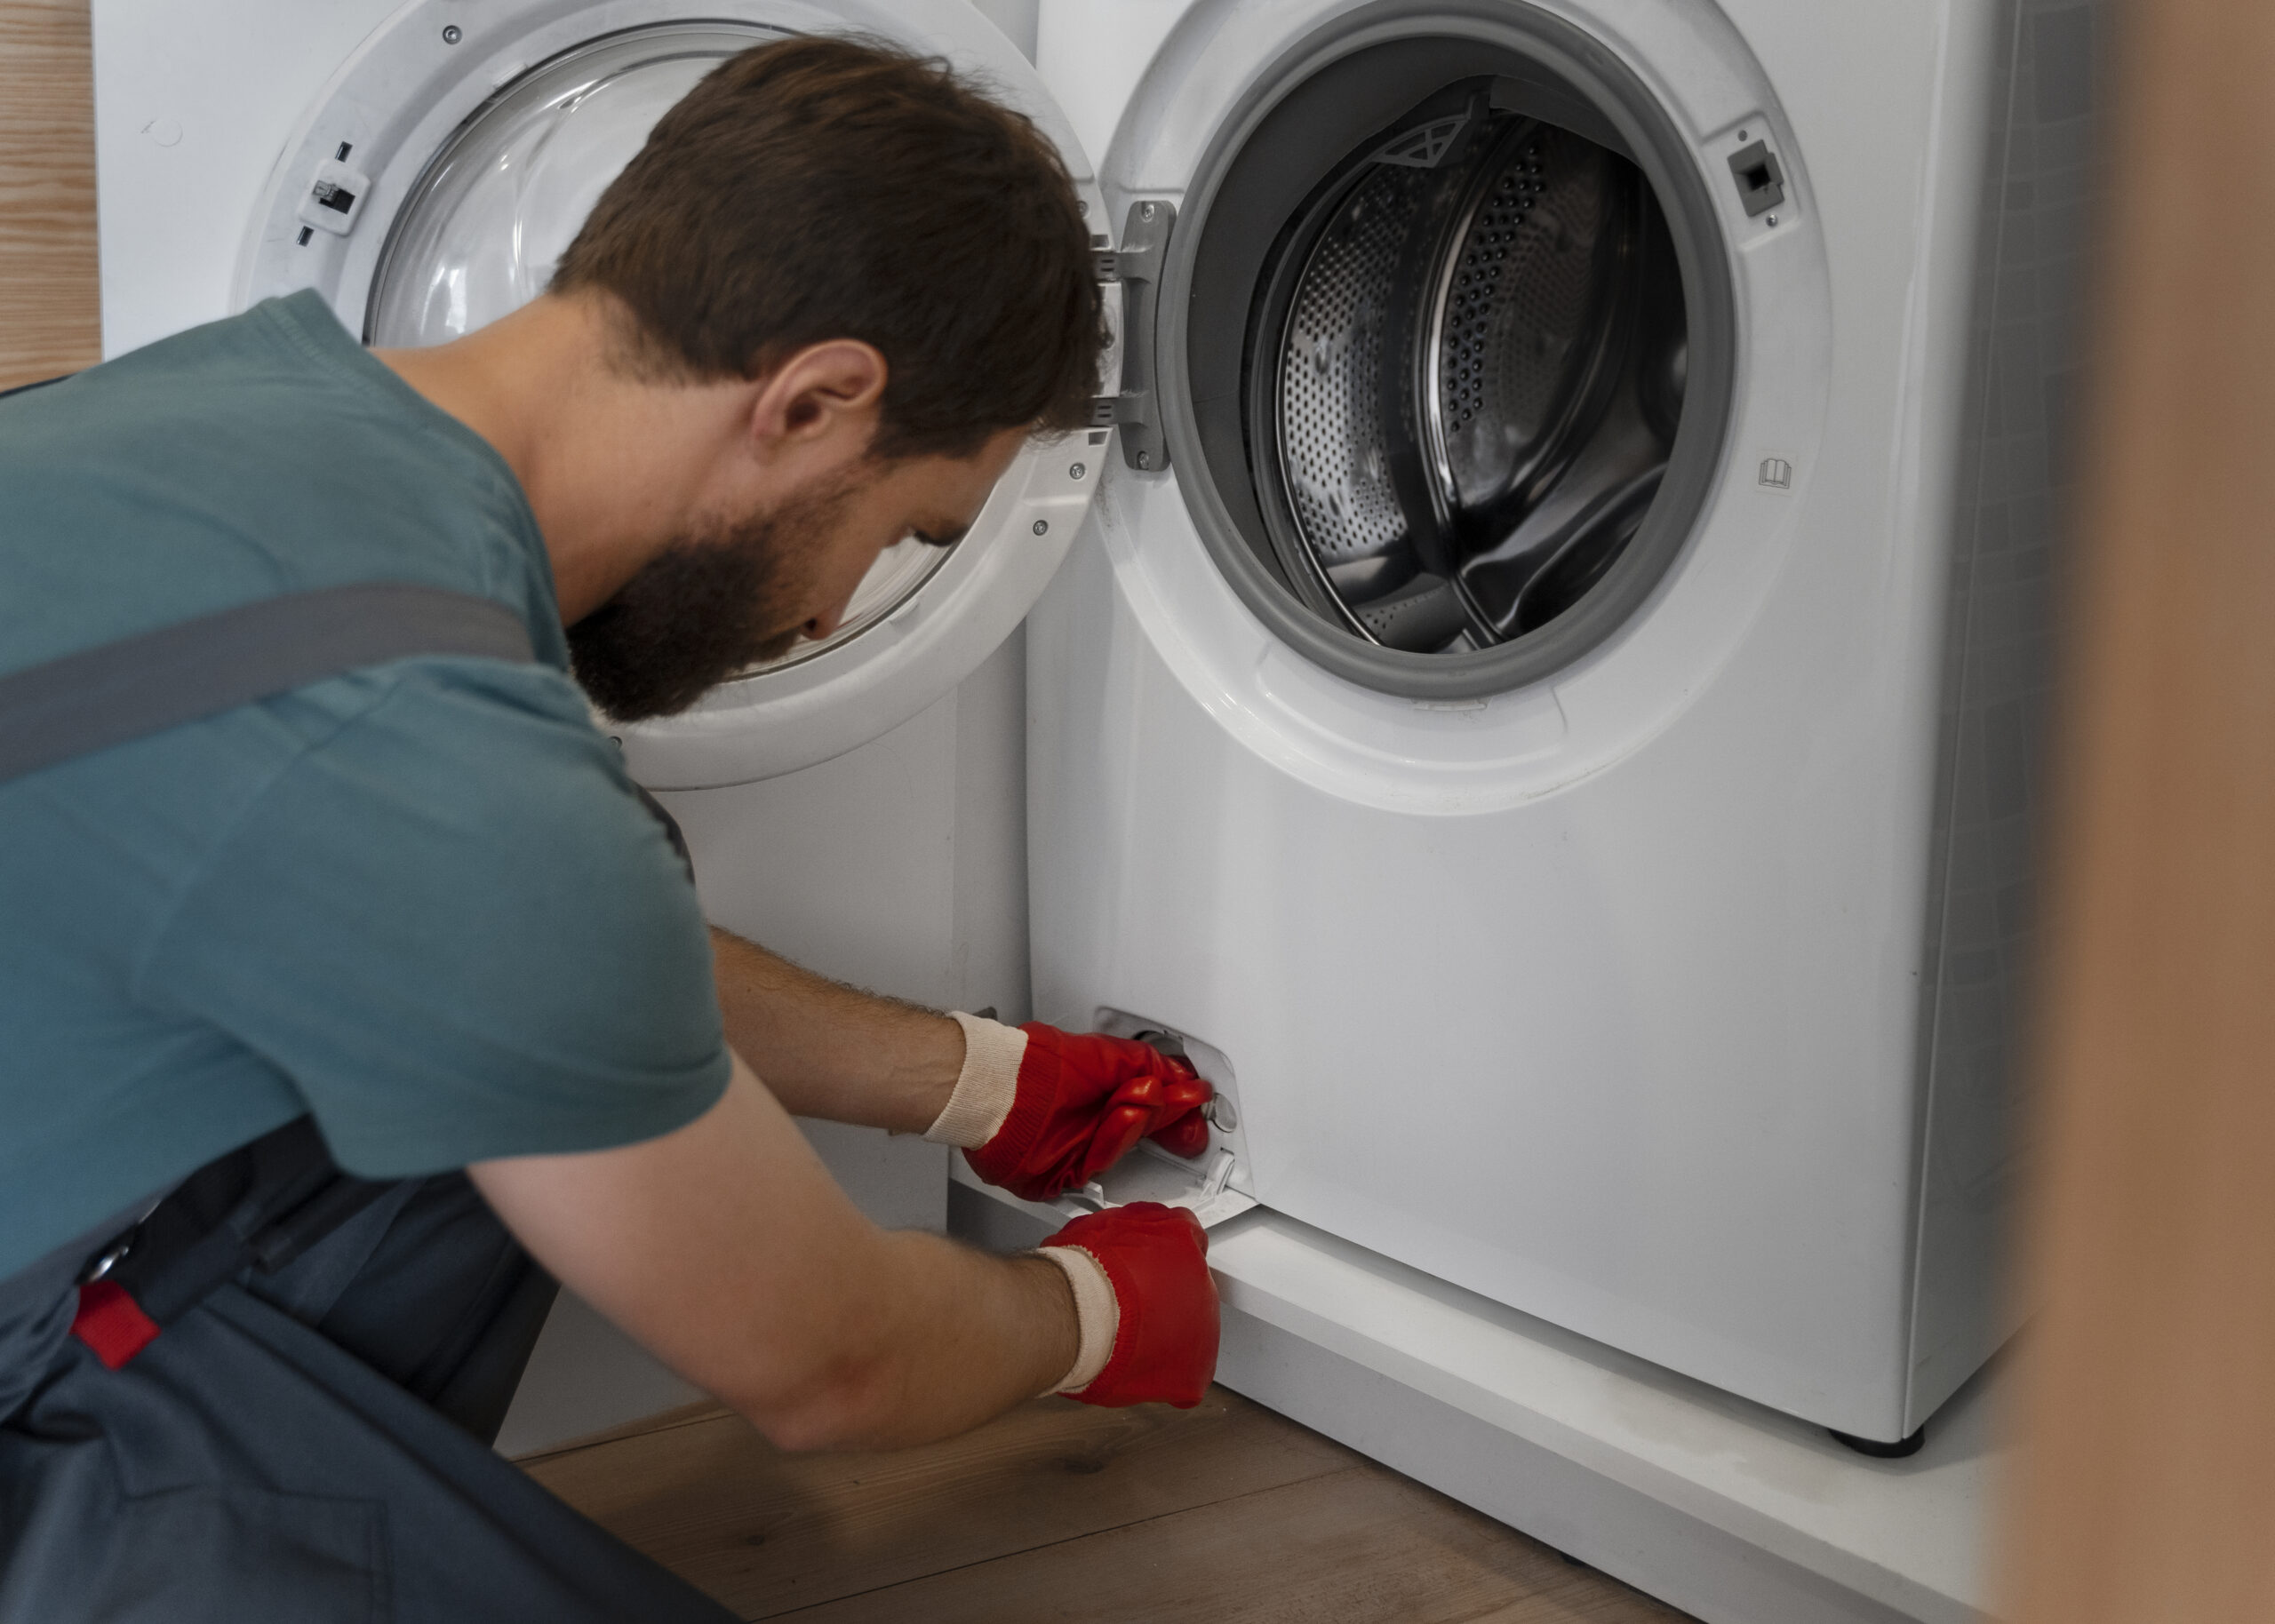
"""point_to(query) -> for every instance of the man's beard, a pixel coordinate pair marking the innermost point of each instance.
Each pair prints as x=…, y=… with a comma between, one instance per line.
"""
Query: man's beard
x=704, y=609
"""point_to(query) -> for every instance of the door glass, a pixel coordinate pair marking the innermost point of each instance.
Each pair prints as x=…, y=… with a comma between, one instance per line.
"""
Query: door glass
x=499, y=204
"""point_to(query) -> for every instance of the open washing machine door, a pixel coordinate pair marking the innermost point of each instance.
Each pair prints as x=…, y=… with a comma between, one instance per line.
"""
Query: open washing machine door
x=1483, y=344
x=1447, y=345
x=433, y=184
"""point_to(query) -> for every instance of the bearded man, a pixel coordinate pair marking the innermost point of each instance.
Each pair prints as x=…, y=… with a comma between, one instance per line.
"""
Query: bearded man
x=352, y=993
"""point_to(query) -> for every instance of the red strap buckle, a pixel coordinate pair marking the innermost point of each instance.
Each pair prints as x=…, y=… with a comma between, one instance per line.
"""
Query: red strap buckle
x=112, y=1322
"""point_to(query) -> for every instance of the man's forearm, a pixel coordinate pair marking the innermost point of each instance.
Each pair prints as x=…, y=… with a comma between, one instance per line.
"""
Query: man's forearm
x=725, y=1249
x=964, y=1337
x=828, y=1050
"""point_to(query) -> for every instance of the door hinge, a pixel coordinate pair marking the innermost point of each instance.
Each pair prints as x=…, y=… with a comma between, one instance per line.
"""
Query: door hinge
x=1144, y=249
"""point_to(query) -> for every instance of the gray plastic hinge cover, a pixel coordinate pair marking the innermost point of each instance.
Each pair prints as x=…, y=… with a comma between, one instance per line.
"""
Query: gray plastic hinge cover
x=1144, y=248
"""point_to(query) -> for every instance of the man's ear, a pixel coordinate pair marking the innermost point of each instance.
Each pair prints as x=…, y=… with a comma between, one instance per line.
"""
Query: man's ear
x=823, y=396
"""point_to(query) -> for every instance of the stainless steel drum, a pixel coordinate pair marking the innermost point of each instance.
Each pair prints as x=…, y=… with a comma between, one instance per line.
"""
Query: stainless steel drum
x=1466, y=370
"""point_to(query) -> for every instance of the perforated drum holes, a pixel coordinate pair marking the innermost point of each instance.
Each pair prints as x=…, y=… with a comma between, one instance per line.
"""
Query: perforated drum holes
x=1464, y=346
x=1333, y=440
x=1478, y=376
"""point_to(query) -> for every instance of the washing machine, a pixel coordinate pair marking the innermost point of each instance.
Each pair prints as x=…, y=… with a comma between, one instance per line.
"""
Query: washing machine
x=1549, y=699
x=858, y=806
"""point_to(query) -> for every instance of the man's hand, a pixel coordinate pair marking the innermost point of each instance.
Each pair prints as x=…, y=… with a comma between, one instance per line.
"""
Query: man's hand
x=1148, y=1309
x=1039, y=1112
x=1035, y=1110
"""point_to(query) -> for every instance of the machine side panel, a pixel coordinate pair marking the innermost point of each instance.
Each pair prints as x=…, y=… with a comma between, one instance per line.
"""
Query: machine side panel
x=1997, y=671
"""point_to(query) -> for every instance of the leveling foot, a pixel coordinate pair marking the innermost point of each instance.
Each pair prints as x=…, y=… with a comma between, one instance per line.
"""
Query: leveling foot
x=1880, y=1451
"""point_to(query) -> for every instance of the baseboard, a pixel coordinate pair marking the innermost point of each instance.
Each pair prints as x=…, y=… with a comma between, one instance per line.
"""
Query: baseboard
x=1734, y=1513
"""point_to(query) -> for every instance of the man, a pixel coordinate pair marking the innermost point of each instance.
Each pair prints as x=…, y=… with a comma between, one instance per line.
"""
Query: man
x=410, y=915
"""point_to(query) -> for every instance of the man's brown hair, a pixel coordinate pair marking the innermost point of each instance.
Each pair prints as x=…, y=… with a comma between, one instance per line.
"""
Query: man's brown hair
x=818, y=188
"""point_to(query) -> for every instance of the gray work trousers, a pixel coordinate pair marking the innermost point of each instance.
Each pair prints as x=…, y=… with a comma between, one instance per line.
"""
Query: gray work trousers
x=308, y=1447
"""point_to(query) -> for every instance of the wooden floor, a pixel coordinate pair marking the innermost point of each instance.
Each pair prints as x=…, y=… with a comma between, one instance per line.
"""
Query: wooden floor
x=50, y=316
x=1074, y=1515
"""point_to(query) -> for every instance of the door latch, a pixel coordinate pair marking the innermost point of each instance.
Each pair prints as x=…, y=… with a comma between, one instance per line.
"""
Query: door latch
x=334, y=197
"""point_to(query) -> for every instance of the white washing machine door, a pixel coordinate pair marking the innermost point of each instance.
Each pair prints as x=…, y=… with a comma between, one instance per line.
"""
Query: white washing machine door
x=437, y=179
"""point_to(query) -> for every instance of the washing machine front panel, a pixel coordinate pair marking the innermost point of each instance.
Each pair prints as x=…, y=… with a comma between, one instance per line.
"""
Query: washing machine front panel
x=192, y=105
x=1636, y=1057
x=1600, y=994
x=437, y=179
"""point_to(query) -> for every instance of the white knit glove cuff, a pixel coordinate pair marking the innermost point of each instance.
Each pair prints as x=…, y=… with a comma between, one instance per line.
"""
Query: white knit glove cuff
x=986, y=1086
x=1096, y=1310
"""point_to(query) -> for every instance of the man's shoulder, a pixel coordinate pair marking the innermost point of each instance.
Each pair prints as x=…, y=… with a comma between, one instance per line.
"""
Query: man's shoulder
x=252, y=457
x=485, y=779
x=480, y=732
x=505, y=952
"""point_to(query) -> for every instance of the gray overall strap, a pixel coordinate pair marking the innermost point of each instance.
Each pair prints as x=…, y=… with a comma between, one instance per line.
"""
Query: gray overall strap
x=118, y=691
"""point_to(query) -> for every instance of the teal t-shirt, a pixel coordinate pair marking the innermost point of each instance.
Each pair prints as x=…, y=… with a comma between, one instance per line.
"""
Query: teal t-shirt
x=420, y=901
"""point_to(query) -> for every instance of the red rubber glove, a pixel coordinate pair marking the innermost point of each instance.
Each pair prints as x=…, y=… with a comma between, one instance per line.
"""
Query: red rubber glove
x=1083, y=1101
x=1164, y=1309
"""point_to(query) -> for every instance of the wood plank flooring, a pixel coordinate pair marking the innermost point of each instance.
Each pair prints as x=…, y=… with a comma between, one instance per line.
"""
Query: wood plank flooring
x=1078, y=1515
